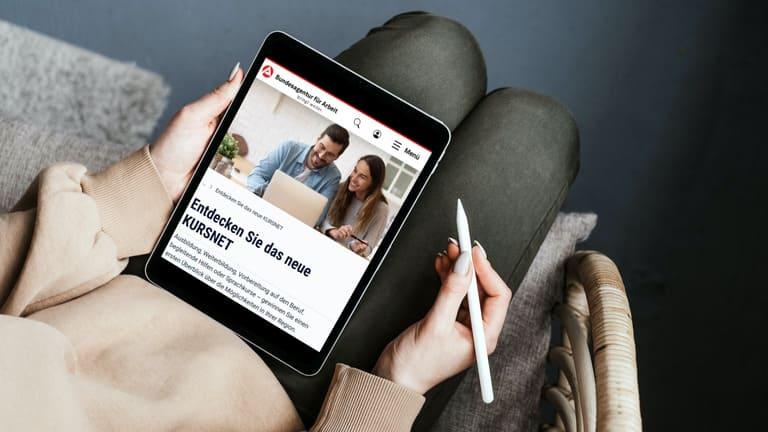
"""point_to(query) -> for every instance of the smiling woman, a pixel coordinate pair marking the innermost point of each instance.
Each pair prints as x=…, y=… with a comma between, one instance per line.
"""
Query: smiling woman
x=359, y=212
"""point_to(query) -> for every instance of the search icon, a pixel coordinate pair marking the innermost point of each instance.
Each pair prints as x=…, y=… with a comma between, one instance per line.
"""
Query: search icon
x=356, y=122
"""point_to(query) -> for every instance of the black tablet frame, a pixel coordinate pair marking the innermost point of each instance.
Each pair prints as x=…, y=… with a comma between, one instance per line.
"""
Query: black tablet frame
x=355, y=91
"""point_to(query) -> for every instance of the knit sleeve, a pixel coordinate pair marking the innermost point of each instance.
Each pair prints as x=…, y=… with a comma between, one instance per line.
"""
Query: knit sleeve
x=73, y=231
x=360, y=401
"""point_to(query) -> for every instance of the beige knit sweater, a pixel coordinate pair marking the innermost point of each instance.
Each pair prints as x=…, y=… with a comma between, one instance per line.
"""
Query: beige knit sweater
x=85, y=348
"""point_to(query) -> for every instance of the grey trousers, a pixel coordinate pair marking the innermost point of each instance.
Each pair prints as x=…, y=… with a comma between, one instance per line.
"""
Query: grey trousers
x=512, y=159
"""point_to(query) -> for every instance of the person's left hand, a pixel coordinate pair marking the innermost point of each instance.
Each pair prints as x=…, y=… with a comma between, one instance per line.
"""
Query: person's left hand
x=179, y=147
x=358, y=246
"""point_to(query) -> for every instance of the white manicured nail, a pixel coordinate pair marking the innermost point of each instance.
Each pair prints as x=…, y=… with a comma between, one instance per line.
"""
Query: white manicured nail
x=234, y=71
x=482, y=249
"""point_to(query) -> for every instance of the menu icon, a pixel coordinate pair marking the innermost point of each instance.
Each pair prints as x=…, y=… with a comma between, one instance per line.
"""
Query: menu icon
x=396, y=145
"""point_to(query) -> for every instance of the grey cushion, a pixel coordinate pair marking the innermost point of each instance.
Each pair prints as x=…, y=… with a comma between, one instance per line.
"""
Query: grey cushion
x=56, y=87
x=518, y=364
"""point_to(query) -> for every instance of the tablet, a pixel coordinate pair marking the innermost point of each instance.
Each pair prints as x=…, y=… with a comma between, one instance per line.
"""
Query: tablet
x=295, y=203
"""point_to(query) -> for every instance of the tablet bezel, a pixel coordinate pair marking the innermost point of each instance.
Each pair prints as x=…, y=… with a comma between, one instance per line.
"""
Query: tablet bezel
x=356, y=91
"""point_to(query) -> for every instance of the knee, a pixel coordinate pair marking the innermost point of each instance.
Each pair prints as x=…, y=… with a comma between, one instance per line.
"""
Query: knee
x=446, y=41
x=428, y=28
x=431, y=61
x=549, y=130
x=444, y=54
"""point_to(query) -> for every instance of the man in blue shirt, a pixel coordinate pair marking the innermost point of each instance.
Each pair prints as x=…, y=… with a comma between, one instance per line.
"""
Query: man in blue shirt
x=310, y=164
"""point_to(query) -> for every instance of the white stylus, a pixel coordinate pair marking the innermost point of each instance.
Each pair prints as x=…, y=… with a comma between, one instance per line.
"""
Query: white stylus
x=475, y=314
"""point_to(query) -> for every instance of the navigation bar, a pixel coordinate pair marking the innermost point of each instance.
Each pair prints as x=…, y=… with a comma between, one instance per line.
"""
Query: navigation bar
x=343, y=114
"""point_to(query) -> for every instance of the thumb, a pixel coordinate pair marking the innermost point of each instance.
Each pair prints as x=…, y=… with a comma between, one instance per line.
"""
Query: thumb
x=453, y=291
x=214, y=103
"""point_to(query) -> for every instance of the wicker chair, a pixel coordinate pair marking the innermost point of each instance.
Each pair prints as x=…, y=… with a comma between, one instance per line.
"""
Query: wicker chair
x=603, y=396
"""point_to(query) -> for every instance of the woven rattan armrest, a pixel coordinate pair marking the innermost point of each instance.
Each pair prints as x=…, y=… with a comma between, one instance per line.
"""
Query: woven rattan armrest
x=605, y=396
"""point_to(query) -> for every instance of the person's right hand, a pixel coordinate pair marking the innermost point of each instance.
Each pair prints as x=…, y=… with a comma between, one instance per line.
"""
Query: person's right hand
x=440, y=345
x=334, y=233
x=341, y=233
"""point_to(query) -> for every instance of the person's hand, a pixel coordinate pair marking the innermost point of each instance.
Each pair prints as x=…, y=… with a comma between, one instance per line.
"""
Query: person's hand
x=341, y=233
x=178, y=149
x=440, y=345
x=346, y=231
x=357, y=246
x=335, y=233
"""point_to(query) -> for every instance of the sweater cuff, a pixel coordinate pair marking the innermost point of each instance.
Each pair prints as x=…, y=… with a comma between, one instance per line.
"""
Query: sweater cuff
x=359, y=401
x=132, y=201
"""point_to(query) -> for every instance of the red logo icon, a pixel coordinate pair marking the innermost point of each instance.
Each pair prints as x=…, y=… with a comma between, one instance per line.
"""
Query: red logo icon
x=266, y=71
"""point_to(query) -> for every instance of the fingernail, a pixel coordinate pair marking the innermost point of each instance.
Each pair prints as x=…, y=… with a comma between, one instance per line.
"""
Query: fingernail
x=234, y=71
x=461, y=266
x=453, y=240
x=440, y=253
x=482, y=249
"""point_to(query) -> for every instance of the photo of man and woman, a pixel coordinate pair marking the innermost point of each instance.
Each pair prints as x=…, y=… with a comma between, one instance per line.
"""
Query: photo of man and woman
x=334, y=181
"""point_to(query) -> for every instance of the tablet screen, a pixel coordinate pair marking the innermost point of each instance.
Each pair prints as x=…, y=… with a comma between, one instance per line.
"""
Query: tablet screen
x=290, y=211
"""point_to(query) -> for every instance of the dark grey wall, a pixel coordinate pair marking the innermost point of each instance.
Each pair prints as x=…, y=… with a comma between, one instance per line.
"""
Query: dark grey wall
x=671, y=100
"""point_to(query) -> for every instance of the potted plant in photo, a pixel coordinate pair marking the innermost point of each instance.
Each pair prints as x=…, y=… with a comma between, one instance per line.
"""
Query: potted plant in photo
x=223, y=162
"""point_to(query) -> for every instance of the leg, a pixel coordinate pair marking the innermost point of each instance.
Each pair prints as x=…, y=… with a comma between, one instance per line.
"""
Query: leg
x=527, y=147
x=430, y=61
